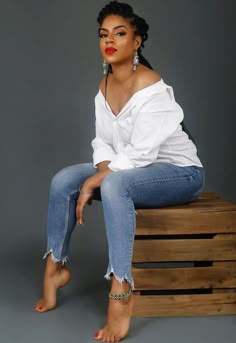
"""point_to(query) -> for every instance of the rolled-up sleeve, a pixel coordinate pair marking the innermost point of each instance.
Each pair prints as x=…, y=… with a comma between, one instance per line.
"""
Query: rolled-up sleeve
x=155, y=122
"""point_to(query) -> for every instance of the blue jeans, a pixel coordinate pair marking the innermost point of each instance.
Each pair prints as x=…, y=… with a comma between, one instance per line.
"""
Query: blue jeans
x=121, y=192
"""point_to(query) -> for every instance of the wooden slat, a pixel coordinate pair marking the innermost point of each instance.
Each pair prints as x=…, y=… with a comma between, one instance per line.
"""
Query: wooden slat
x=184, y=250
x=226, y=236
x=157, y=222
x=221, y=290
x=208, y=196
x=185, y=305
x=221, y=276
x=197, y=206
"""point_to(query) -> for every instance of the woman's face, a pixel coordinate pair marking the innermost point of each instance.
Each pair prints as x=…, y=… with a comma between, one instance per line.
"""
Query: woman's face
x=118, y=42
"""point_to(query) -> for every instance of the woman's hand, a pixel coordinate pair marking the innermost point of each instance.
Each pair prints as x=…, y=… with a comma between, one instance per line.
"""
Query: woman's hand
x=85, y=197
x=86, y=192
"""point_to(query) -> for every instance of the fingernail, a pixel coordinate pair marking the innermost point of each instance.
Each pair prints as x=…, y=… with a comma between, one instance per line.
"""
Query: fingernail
x=96, y=335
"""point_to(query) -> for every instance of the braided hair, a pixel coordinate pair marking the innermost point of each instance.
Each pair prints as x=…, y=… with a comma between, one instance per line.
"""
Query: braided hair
x=140, y=25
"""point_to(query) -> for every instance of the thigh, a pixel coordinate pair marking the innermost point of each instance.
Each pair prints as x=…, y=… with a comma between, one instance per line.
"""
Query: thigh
x=159, y=184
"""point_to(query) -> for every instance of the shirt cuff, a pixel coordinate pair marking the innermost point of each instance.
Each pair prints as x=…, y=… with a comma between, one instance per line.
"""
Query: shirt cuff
x=101, y=155
x=120, y=162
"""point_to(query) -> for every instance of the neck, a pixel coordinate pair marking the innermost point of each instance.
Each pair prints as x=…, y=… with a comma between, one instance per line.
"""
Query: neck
x=122, y=73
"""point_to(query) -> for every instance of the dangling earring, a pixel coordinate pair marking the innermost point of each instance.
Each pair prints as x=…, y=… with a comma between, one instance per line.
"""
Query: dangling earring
x=135, y=60
x=104, y=67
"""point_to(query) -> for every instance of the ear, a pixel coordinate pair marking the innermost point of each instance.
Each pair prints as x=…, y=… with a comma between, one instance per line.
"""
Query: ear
x=138, y=41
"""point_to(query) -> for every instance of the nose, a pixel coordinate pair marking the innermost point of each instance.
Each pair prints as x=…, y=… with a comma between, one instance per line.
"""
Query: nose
x=109, y=38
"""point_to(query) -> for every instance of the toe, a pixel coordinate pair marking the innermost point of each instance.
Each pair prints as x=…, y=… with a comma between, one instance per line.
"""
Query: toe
x=106, y=336
x=95, y=336
x=40, y=308
x=98, y=335
x=38, y=303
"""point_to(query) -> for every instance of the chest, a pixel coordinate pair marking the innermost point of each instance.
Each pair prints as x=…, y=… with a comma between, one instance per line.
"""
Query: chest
x=117, y=100
x=111, y=126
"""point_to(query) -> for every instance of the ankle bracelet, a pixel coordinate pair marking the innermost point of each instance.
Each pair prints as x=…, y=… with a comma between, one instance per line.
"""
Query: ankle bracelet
x=120, y=296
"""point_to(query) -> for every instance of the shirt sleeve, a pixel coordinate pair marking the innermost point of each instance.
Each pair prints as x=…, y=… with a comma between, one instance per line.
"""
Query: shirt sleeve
x=102, y=151
x=156, y=121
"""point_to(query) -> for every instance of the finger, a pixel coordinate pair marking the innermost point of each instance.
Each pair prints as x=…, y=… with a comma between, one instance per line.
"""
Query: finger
x=80, y=214
x=82, y=201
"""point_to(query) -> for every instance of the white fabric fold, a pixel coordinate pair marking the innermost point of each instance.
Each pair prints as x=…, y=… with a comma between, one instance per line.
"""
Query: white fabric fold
x=145, y=131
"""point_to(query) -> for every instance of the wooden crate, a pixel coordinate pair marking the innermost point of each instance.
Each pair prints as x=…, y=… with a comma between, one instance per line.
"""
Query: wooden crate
x=184, y=259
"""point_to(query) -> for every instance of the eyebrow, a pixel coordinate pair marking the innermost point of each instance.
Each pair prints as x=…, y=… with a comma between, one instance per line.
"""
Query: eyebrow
x=114, y=28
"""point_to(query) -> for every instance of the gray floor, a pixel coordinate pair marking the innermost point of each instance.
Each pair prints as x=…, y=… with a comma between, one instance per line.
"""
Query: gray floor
x=82, y=309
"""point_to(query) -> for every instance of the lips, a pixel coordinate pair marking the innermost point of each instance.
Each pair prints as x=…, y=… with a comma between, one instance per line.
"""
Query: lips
x=110, y=51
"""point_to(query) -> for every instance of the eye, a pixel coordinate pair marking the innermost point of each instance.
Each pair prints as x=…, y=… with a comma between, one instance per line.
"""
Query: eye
x=120, y=33
x=102, y=35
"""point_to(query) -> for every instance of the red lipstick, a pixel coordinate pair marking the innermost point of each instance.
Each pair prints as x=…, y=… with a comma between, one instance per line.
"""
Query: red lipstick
x=110, y=51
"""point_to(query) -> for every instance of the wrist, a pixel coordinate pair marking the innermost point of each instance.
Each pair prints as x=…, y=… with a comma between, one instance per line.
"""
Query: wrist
x=85, y=191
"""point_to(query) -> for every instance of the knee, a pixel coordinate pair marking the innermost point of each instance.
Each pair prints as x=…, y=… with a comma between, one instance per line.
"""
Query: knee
x=112, y=185
x=60, y=180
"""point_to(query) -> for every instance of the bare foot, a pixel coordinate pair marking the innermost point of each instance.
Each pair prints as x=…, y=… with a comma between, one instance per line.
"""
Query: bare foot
x=118, y=318
x=56, y=276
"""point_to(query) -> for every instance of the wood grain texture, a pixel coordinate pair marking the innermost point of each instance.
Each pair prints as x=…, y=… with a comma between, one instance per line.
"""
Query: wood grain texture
x=185, y=305
x=169, y=223
x=207, y=214
x=167, y=250
x=221, y=276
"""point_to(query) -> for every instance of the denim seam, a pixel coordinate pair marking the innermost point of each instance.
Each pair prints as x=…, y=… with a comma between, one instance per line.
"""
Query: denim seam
x=131, y=235
x=66, y=221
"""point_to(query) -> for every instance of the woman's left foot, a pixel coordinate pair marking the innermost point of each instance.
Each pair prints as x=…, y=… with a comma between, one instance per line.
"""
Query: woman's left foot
x=118, y=320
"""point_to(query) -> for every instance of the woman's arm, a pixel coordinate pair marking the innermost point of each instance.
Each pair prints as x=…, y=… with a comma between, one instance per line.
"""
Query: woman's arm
x=95, y=181
x=102, y=165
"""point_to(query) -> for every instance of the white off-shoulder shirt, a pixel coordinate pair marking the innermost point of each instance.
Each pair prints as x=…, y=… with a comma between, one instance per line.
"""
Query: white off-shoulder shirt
x=146, y=130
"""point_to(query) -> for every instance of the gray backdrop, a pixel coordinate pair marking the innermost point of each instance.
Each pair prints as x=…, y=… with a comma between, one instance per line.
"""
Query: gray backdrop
x=49, y=74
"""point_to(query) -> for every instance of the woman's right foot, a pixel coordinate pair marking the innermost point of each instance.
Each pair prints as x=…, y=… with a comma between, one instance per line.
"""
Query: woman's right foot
x=55, y=277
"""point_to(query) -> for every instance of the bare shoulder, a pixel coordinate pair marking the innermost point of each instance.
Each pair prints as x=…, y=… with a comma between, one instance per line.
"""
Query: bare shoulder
x=146, y=77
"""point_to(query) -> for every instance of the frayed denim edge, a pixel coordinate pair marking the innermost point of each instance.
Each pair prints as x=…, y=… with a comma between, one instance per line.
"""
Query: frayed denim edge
x=54, y=259
x=120, y=279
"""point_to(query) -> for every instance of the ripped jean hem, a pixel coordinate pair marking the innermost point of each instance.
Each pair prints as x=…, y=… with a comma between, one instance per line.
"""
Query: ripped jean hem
x=54, y=259
x=120, y=279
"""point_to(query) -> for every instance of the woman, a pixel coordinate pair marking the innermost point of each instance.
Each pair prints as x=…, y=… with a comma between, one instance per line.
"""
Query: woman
x=142, y=158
